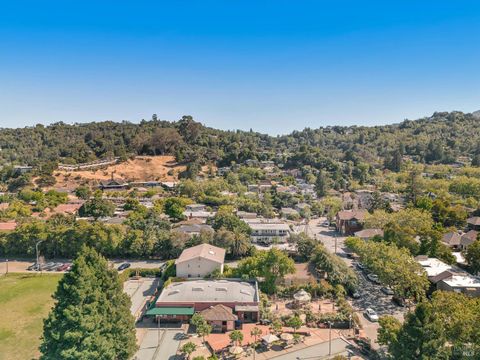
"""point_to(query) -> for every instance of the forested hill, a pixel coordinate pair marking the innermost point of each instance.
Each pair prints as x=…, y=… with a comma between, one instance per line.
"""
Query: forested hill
x=443, y=137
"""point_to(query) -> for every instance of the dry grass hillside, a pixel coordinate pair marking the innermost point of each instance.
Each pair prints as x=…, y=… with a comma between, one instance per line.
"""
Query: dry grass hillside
x=142, y=168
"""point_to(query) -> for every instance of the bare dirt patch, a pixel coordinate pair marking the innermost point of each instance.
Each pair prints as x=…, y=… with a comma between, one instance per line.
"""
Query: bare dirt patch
x=142, y=168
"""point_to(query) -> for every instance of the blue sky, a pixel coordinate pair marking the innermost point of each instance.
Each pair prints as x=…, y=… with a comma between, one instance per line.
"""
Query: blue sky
x=273, y=66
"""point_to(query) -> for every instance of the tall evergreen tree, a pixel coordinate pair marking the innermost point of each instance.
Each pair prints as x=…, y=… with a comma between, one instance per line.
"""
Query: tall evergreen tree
x=91, y=318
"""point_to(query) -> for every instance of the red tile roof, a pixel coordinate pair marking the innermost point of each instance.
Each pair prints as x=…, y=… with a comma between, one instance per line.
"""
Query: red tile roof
x=8, y=226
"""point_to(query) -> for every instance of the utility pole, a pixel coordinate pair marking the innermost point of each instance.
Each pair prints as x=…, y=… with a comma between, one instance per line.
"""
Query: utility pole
x=335, y=244
x=36, y=250
x=329, y=338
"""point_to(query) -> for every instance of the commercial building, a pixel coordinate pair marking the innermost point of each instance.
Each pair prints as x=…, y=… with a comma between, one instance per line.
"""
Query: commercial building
x=220, y=301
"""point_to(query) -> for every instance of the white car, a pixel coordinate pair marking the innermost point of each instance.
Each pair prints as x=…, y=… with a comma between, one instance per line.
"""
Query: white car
x=371, y=315
x=373, y=278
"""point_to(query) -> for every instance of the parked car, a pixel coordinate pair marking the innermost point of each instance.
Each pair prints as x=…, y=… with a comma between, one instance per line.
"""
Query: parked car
x=373, y=278
x=386, y=290
x=47, y=266
x=64, y=267
x=124, y=266
x=54, y=266
x=371, y=315
x=33, y=267
x=356, y=295
x=397, y=300
x=360, y=266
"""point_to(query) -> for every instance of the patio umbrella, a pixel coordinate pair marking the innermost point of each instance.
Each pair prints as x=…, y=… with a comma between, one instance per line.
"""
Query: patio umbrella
x=302, y=296
x=235, y=350
x=270, y=338
x=286, y=337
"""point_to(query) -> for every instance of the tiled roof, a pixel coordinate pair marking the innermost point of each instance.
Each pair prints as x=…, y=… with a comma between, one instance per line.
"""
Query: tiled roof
x=352, y=214
x=218, y=313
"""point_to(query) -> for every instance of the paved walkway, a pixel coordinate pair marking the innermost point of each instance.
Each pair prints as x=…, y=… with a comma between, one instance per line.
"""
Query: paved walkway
x=319, y=351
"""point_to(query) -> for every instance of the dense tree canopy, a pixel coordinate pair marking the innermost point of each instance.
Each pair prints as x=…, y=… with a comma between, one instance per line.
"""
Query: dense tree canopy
x=91, y=318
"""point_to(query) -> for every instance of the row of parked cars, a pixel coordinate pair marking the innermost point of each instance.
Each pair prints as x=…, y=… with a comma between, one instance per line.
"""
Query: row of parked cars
x=50, y=266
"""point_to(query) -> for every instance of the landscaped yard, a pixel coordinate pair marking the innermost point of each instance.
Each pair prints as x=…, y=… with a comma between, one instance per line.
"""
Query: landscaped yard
x=25, y=300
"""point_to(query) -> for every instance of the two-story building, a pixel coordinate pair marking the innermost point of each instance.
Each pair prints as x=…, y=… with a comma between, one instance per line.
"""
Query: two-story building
x=269, y=232
x=200, y=261
x=350, y=221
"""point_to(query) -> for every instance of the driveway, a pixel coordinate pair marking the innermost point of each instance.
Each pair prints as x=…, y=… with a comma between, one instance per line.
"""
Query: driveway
x=140, y=290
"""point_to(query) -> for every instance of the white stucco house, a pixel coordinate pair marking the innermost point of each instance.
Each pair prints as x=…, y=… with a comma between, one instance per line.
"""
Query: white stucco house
x=200, y=261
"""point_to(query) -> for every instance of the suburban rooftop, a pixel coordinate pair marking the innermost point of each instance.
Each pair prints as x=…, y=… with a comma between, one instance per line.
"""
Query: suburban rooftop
x=214, y=290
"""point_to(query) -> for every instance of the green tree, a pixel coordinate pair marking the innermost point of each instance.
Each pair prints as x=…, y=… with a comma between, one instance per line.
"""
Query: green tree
x=91, y=317
x=321, y=184
x=236, y=336
x=188, y=348
x=174, y=207
x=97, y=207
x=83, y=192
x=295, y=322
x=271, y=265
x=472, y=256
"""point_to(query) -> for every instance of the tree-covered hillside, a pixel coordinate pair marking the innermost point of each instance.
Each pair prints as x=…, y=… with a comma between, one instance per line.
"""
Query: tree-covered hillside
x=443, y=137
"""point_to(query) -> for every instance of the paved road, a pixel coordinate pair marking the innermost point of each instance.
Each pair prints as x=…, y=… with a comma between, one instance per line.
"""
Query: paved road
x=21, y=265
x=370, y=294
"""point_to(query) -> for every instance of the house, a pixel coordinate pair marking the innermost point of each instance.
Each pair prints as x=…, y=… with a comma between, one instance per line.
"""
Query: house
x=289, y=213
x=193, y=229
x=195, y=207
x=246, y=215
x=350, y=221
x=200, y=261
x=223, y=170
x=180, y=300
x=452, y=239
x=468, y=238
x=199, y=211
x=449, y=278
x=367, y=234
x=220, y=317
x=269, y=232
x=113, y=185
x=8, y=226
x=22, y=169
x=474, y=223
x=302, y=207
x=70, y=208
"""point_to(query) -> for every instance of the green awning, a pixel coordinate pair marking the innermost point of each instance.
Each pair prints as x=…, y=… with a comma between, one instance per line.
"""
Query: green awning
x=170, y=311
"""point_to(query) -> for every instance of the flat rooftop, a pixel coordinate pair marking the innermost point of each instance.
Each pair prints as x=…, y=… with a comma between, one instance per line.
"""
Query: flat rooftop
x=215, y=290
x=465, y=281
x=433, y=266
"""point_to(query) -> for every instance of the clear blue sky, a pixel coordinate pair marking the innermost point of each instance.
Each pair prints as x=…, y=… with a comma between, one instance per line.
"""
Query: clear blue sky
x=273, y=66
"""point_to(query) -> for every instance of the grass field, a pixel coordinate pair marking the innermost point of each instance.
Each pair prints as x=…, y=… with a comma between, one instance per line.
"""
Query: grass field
x=25, y=300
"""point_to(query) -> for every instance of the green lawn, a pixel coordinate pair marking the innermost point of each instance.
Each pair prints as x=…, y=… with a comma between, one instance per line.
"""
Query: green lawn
x=25, y=300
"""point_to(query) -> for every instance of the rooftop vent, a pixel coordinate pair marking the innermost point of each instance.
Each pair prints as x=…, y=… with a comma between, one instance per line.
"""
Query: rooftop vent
x=173, y=292
x=197, y=289
x=221, y=289
x=245, y=292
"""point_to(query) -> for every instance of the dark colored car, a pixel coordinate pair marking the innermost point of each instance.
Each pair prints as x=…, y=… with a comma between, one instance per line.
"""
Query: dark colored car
x=356, y=295
x=398, y=301
x=124, y=266
x=54, y=267
x=33, y=267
